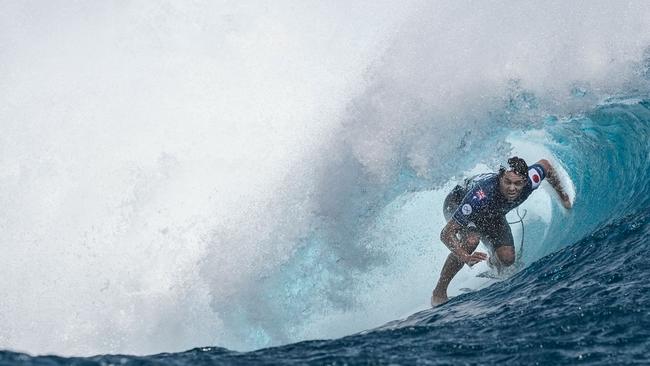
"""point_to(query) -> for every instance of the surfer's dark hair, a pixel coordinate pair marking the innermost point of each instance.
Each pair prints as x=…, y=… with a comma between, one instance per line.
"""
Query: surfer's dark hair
x=517, y=165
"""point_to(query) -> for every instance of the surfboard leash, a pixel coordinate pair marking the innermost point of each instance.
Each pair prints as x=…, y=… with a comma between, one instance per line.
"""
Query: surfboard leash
x=521, y=221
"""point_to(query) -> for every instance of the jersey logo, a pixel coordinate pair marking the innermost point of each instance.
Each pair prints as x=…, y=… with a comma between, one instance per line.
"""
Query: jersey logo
x=535, y=178
x=480, y=195
x=466, y=209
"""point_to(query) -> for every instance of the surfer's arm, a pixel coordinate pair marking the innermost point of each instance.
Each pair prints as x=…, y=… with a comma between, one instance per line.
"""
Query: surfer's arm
x=449, y=236
x=554, y=180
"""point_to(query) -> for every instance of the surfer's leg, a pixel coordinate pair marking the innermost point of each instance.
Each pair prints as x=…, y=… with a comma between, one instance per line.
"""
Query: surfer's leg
x=470, y=240
x=506, y=255
x=499, y=237
x=452, y=265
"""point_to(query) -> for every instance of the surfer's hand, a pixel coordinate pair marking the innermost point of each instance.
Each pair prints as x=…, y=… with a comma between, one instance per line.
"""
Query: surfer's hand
x=472, y=259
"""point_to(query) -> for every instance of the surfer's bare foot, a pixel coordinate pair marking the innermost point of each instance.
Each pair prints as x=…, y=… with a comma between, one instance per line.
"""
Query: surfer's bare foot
x=438, y=298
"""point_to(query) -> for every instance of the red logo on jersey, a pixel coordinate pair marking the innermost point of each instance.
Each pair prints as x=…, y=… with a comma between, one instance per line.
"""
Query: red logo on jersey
x=480, y=195
x=536, y=178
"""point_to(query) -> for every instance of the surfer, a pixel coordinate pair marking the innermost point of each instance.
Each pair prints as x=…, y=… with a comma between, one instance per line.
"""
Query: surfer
x=476, y=211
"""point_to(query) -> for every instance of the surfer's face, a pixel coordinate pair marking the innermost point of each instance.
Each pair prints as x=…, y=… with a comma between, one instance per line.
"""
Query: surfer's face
x=511, y=185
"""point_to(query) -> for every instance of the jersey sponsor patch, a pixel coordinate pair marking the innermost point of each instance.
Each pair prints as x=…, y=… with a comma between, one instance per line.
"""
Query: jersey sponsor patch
x=466, y=209
x=535, y=178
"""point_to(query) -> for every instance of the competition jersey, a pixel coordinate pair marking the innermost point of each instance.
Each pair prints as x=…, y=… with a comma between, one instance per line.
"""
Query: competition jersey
x=484, y=201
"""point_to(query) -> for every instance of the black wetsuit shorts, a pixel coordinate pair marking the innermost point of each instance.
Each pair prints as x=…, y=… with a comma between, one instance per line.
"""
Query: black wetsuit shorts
x=493, y=229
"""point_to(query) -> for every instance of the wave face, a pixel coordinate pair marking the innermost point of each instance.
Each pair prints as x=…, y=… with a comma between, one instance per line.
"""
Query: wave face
x=170, y=180
x=587, y=302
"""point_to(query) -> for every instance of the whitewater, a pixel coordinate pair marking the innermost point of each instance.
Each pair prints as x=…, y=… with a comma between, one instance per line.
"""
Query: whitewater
x=262, y=182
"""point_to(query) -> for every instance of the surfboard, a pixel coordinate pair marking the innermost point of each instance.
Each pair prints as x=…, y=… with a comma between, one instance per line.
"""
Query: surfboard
x=491, y=275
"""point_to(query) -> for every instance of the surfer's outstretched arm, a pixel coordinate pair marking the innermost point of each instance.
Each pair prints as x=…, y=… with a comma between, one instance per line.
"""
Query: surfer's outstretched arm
x=553, y=179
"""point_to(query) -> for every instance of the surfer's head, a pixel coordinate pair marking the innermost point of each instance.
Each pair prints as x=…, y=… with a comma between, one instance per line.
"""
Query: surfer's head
x=513, y=180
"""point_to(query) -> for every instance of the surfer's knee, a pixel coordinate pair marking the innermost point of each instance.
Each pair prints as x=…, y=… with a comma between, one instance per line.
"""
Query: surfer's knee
x=508, y=260
x=506, y=255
